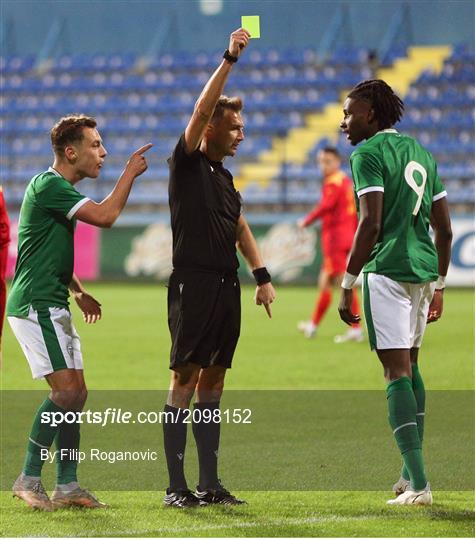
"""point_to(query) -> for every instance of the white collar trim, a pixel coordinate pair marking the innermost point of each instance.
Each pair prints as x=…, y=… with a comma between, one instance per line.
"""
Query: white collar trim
x=390, y=130
x=54, y=171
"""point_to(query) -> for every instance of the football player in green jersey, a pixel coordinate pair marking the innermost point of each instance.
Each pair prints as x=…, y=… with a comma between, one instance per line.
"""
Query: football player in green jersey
x=399, y=194
x=37, y=307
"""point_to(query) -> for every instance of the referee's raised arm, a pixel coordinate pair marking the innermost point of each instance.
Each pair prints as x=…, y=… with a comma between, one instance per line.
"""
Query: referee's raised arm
x=206, y=103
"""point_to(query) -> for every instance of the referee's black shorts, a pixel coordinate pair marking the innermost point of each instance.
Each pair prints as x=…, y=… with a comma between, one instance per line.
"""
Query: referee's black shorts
x=204, y=317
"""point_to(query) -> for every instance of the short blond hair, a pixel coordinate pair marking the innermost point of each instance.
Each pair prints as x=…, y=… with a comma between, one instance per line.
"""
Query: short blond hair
x=224, y=102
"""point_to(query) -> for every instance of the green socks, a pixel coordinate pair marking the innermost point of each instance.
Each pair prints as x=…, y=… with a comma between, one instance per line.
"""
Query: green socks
x=402, y=407
x=41, y=438
x=420, y=394
x=67, y=444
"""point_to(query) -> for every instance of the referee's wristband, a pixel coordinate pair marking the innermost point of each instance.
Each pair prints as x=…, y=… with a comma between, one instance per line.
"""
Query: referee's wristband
x=349, y=281
x=261, y=275
x=440, y=283
x=229, y=57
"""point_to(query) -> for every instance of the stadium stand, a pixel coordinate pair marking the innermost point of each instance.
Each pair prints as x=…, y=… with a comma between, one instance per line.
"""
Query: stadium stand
x=136, y=102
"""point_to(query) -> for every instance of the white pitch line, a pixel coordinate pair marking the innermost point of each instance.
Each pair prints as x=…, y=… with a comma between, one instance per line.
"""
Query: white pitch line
x=241, y=525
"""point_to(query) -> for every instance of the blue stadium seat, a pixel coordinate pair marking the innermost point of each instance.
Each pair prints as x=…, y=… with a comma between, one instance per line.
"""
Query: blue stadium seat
x=279, y=87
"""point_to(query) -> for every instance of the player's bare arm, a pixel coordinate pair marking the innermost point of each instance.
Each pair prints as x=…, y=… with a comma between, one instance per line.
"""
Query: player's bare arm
x=206, y=103
x=369, y=227
x=105, y=213
x=90, y=307
x=440, y=222
x=247, y=246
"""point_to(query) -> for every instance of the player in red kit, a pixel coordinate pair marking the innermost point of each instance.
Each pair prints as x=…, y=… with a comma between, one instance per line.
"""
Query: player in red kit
x=4, y=241
x=337, y=212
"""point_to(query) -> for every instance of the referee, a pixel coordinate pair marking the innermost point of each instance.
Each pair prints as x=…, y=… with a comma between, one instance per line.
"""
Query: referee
x=204, y=311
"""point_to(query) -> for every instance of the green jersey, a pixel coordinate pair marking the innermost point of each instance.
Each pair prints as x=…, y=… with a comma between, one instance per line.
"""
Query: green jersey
x=407, y=174
x=45, y=261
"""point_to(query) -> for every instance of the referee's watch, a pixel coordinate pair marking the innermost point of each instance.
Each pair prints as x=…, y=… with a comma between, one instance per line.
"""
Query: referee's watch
x=229, y=57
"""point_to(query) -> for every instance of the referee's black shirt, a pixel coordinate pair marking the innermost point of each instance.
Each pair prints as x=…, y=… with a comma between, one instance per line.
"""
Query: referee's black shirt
x=205, y=209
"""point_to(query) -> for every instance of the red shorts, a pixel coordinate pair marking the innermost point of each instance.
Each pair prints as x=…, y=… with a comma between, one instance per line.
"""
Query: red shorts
x=334, y=263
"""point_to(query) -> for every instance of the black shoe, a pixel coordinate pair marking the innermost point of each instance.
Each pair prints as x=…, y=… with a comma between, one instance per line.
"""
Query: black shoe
x=182, y=498
x=220, y=495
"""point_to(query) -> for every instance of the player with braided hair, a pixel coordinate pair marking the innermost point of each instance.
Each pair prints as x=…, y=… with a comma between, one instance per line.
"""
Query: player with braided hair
x=399, y=193
x=388, y=107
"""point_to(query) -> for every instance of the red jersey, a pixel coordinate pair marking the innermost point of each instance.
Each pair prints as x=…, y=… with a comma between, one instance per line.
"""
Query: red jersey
x=337, y=210
x=4, y=223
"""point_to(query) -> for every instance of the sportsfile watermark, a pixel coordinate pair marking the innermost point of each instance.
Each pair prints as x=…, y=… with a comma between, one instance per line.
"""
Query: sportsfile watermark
x=269, y=440
x=111, y=415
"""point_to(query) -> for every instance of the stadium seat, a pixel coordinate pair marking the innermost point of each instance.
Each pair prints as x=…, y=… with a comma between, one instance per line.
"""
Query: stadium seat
x=279, y=88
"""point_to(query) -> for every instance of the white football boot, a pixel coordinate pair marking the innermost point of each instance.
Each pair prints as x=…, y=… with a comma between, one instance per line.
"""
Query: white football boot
x=422, y=497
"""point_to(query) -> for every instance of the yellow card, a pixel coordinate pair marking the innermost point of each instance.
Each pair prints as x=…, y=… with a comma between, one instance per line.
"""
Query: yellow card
x=251, y=23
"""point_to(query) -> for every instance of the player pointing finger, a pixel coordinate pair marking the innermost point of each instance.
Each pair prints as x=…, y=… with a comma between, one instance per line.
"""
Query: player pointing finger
x=137, y=163
x=38, y=306
x=143, y=149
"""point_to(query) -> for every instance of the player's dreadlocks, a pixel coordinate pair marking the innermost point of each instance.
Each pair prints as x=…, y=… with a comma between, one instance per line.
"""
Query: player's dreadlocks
x=388, y=107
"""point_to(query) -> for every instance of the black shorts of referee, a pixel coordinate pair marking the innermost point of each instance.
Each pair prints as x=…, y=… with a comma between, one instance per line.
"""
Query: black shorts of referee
x=204, y=317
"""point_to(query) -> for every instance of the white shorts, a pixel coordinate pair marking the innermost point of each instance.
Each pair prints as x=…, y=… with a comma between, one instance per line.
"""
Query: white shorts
x=395, y=312
x=49, y=340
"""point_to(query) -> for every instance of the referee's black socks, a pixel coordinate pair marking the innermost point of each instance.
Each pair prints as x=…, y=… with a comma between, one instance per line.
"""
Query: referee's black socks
x=206, y=429
x=174, y=440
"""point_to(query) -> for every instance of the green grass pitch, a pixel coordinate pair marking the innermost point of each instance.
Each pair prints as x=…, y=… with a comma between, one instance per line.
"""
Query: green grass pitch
x=129, y=348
